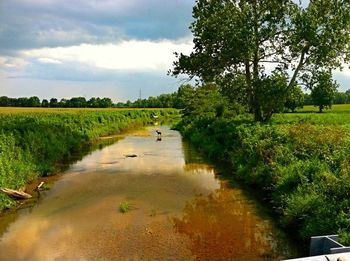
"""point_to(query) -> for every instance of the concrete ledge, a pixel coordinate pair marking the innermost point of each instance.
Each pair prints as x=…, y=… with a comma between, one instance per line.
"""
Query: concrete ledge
x=321, y=245
x=326, y=248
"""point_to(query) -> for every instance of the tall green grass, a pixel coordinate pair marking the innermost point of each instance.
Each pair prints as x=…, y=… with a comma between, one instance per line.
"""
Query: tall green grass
x=33, y=143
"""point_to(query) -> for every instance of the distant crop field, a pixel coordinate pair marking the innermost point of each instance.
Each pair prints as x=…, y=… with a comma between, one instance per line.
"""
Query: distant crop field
x=21, y=110
x=335, y=108
x=338, y=115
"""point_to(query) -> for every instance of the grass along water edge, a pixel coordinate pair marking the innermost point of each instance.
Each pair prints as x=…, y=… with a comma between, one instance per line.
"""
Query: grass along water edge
x=32, y=142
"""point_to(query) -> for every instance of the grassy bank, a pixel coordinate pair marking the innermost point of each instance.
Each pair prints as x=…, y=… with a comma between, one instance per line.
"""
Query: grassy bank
x=33, y=141
x=300, y=161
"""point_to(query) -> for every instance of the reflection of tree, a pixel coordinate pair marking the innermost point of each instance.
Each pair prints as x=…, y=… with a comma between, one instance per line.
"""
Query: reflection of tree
x=194, y=161
x=223, y=226
x=198, y=168
x=191, y=155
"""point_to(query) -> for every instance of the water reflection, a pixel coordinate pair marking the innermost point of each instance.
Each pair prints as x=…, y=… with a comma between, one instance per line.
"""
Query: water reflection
x=168, y=185
x=225, y=226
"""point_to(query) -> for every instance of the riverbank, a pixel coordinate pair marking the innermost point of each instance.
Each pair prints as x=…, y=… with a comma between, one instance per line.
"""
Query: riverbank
x=299, y=161
x=34, y=143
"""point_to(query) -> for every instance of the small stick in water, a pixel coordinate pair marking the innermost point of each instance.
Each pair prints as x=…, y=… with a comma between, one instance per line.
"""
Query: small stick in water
x=40, y=185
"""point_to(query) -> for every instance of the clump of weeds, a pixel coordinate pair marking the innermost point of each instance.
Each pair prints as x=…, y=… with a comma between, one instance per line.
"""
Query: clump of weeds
x=124, y=207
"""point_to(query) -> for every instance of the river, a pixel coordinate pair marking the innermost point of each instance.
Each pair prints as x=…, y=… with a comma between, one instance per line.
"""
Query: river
x=179, y=209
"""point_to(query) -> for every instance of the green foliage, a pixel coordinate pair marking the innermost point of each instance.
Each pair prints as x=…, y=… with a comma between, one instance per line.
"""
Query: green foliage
x=300, y=161
x=234, y=40
x=205, y=103
x=271, y=94
x=16, y=166
x=161, y=101
x=53, y=103
x=295, y=99
x=342, y=97
x=31, y=144
x=75, y=102
x=45, y=103
x=174, y=100
x=183, y=95
x=124, y=207
x=323, y=93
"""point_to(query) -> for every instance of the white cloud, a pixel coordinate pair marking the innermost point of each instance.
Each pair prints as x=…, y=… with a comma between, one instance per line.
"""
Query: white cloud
x=8, y=62
x=131, y=55
x=345, y=72
x=49, y=60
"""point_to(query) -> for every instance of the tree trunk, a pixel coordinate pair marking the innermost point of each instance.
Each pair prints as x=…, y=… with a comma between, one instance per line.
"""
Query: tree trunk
x=258, y=113
x=299, y=67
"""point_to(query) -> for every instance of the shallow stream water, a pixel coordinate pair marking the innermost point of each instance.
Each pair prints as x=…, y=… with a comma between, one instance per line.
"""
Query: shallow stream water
x=179, y=210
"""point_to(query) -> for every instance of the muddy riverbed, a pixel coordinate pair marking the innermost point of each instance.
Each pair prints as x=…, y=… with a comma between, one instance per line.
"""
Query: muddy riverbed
x=179, y=210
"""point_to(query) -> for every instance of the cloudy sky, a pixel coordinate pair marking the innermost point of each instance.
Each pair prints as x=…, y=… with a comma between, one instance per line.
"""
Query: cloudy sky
x=114, y=48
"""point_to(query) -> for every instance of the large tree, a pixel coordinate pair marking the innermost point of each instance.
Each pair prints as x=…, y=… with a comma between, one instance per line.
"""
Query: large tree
x=235, y=39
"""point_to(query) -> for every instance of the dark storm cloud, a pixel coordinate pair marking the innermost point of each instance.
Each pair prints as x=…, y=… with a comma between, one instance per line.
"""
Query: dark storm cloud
x=26, y=24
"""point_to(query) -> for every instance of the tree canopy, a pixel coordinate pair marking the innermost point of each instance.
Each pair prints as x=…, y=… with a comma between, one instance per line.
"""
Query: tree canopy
x=269, y=44
x=295, y=99
x=323, y=92
x=75, y=102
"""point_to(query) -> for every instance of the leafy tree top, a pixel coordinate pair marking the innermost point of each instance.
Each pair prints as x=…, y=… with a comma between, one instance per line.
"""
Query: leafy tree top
x=240, y=37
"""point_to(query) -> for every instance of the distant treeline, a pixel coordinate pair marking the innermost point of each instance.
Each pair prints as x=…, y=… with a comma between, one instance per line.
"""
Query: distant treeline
x=75, y=102
x=176, y=100
x=172, y=100
x=339, y=98
x=161, y=101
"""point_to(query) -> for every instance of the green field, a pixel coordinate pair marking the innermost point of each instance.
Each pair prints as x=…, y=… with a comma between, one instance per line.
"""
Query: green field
x=337, y=108
x=34, y=140
x=339, y=115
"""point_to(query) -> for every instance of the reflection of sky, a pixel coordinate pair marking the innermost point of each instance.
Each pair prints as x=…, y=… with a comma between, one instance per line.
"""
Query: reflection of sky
x=164, y=157
x=152, y=156
x=79, y=217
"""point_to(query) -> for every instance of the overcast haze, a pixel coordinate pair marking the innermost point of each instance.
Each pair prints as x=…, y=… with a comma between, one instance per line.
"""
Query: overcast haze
x=114, y=48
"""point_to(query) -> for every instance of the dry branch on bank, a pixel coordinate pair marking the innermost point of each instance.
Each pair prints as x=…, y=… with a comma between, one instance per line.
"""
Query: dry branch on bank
x=15, y=193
